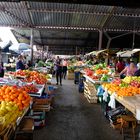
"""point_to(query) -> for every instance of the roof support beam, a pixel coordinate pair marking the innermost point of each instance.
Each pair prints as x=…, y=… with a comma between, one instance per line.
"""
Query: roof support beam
x=107, y=35
x=121, y=35
x=72, y=12
x=64, y=38
x=15, y=17
x=23, y=36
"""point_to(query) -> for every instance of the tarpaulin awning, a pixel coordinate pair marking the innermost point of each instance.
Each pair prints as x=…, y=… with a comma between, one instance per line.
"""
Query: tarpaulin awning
x=97, y=52
x=130, y=53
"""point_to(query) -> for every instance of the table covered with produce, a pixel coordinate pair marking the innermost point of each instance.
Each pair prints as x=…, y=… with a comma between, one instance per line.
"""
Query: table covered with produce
x=22, y=92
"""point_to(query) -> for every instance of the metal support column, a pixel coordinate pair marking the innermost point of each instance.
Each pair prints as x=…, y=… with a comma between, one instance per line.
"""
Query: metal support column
x=108, y=43
x=133, y=43
x=76, y=51
x=31, y=45
x=42, y=52
x=100, y=40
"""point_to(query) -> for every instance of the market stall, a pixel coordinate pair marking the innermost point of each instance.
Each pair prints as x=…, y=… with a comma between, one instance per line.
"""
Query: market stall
x=22, y=94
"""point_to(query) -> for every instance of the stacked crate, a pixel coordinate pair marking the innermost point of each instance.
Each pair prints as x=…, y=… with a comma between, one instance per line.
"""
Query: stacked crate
x=90, y=92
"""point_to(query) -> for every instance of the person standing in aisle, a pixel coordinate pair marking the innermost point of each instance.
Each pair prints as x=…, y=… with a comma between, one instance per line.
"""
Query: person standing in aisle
x=65, y=64
x=58, y=70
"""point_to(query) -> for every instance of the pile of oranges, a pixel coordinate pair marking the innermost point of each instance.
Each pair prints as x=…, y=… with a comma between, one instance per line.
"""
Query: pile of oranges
x=101, y=71
x=121, y=91
x=128, y=91
x=16, y=95
x=112, y=87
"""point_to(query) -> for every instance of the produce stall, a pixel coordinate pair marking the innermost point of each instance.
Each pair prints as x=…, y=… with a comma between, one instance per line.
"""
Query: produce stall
x=102, y=85
x=126, y=92
x=94, y=77
x=22, y=94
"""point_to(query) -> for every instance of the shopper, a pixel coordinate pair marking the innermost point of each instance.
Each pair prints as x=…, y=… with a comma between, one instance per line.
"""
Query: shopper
x=58, y=70
x=20, y=64
x=65, y=64
x=120, y=65
x=1, y=70
x=137, y=73
x=127, y=63
x=129, y=70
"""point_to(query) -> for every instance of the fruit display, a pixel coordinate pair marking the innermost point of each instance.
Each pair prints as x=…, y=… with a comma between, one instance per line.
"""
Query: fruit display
x=111, y=87
x=88, y=72
x=29, y=88
x=129, y=86
x=128, y=91
x=116, y=81
x=15, y=95
x=37, y=77
x=21, y=73
x=102, y=71
x=135, y=84
x=129, y=79
x=9, y=112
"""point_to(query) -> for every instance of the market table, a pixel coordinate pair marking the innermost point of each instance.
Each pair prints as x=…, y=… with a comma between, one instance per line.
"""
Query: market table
x=131, y=103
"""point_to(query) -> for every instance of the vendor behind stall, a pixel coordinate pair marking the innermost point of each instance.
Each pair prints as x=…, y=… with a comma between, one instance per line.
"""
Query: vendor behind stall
x=130, y=70
x=120, y=65
x=1, y=69
x=20, y=64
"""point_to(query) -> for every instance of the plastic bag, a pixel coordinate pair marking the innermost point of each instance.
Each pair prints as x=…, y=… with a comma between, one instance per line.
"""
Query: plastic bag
x=105, y=95
x=112, y=102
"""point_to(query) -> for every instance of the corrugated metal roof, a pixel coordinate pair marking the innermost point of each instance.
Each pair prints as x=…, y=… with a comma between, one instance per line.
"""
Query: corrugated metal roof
x=76, y=18
x=36, y=14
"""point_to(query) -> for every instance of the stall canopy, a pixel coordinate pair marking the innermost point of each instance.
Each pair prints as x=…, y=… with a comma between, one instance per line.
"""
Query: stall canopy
x=67, y=26
x=97, y=52
x=129, y=53
x=120, y=53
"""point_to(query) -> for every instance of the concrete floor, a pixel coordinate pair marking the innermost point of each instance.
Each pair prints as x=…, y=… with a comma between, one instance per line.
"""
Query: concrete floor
x=73, y=118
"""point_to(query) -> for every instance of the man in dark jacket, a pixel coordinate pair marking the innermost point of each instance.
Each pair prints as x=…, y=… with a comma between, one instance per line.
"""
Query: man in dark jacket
x=58, y=70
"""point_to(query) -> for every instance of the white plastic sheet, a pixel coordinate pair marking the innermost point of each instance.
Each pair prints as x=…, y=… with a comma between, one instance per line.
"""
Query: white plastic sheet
x=112, y=102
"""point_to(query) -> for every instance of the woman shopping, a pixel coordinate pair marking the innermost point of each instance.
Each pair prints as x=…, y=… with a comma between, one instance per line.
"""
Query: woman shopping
x=129, y=70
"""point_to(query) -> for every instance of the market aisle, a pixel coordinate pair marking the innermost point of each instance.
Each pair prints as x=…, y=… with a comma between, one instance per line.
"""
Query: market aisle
x=73, y=118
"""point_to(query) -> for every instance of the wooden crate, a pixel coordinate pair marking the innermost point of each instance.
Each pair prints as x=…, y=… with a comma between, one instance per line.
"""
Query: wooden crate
x=92, y=97
x=45, y=108
x=7, y=133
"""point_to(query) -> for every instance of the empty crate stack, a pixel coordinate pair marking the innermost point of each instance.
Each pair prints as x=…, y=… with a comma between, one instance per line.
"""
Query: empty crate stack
x=90, y=92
